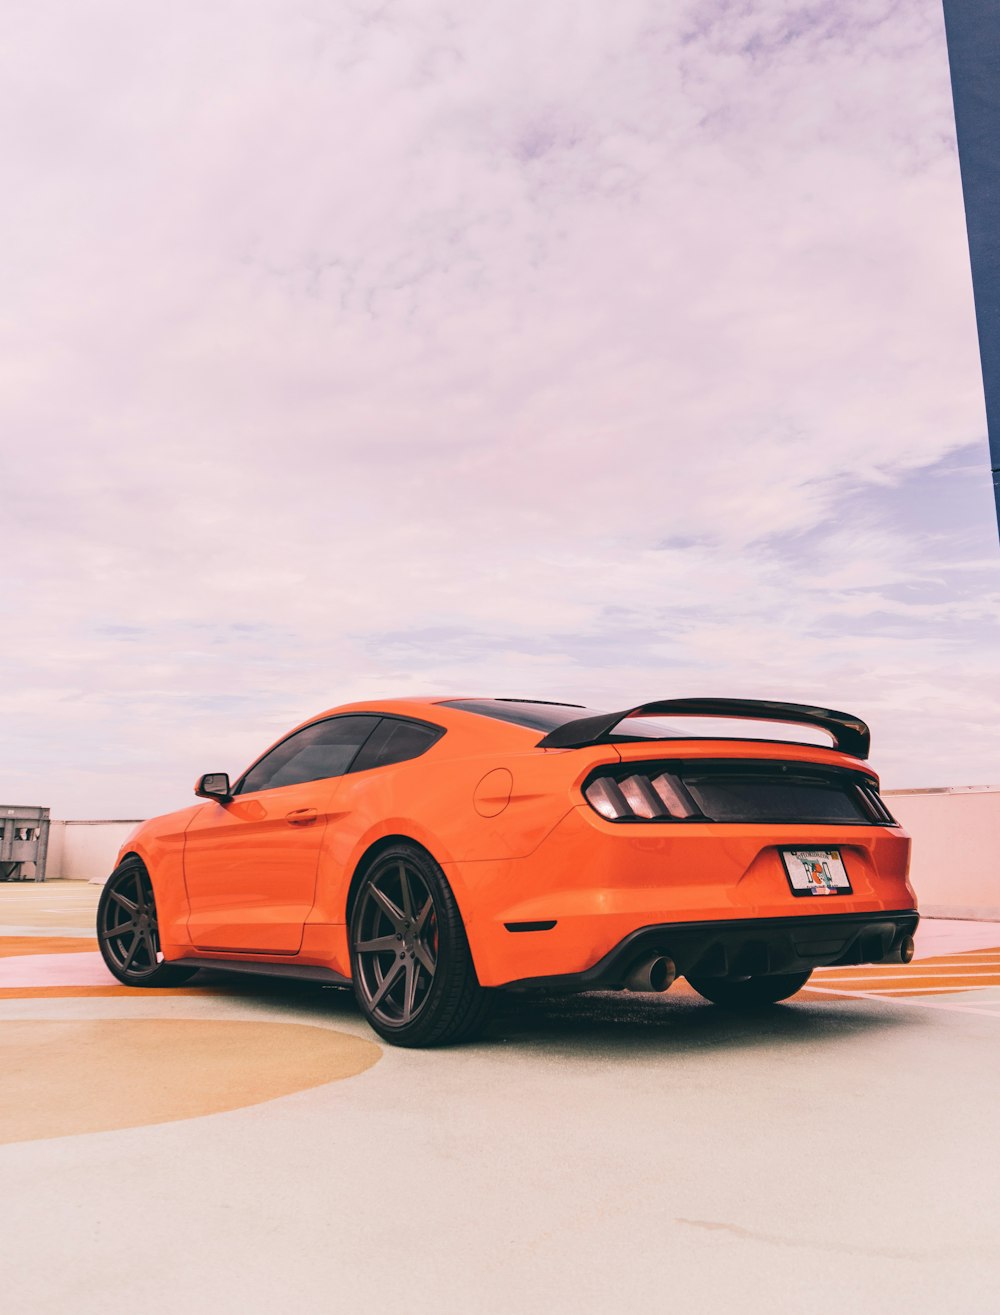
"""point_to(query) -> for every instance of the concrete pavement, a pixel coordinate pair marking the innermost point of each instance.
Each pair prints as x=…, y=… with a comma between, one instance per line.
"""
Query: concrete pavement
x=250, y=1146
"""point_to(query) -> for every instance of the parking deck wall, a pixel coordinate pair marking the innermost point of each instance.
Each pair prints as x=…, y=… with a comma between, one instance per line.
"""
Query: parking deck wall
x=85, y=850
x=956, y=836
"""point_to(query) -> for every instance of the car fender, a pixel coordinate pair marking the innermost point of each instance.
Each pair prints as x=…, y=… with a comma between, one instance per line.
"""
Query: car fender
x=159, y=843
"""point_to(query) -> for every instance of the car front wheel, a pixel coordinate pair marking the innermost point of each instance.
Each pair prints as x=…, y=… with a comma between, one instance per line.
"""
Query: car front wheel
x=748, y=992
x=410, y=960
x=128, y=932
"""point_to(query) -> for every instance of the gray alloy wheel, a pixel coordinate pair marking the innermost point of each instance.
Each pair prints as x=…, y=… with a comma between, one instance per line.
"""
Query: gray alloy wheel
x=413, y=974
x=749, y=992
x=127, y=929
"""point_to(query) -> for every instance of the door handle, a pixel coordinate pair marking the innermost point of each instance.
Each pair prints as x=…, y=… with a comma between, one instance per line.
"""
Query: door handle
x=301, y=816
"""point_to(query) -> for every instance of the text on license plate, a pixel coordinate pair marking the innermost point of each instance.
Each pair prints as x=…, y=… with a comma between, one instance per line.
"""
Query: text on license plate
x=816, y=872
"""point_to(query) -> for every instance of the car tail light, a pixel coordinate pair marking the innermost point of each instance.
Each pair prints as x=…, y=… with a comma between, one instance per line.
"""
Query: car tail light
x=605, y=796
x=640, y=795
x=719, y=790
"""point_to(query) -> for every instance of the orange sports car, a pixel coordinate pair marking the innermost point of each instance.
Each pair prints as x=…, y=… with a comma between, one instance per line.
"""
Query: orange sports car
x=427, y=851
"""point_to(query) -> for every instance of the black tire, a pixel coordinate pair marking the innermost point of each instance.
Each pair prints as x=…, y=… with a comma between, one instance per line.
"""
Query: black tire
x=127, y=930
x=749, y=992
x=411, y=966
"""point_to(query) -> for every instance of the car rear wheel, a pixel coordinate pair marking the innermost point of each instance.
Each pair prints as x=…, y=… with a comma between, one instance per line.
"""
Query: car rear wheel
x=128, y=932
x=748, y=992
x=410, y=960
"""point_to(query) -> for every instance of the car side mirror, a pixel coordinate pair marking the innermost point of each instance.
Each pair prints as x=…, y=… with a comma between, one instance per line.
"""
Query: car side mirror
x=214, y=785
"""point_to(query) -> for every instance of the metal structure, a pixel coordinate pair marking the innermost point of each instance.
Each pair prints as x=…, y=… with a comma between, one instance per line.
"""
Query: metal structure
x=24, y=842
x=973, y=28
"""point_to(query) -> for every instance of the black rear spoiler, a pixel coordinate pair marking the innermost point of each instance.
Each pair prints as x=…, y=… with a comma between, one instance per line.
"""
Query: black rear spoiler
x=850, y=734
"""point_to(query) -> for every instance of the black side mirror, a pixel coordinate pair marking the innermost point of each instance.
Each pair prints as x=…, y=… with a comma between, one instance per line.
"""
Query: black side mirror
x=214, y=785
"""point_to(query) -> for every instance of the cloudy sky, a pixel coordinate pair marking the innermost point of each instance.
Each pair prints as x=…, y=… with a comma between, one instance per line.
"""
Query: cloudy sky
x=559, y=348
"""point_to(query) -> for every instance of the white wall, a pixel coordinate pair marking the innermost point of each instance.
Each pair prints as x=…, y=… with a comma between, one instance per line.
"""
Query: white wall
x=955, y=868
x=85, y=851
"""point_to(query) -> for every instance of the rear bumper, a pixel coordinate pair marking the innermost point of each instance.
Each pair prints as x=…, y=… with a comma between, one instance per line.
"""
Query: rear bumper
x=742, y=947
x=596, y=883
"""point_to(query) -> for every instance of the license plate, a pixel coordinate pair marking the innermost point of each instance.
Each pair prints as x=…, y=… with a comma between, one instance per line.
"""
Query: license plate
x=816, y=872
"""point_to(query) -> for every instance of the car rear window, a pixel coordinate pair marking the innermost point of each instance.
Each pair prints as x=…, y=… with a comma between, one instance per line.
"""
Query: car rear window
x=537, y=715
x=534, y=714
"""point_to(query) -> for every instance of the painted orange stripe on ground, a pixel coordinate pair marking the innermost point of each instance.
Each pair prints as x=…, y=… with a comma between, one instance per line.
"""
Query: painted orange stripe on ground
x=944, y=974
x=11, y=946
x=958, y=959
x=887, y=983
x=904, y=974
x=990, y=956
x=59, y=992
x=994, y=964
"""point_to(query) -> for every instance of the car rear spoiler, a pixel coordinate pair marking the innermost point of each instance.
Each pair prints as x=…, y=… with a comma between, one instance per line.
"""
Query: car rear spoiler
x=850, y=734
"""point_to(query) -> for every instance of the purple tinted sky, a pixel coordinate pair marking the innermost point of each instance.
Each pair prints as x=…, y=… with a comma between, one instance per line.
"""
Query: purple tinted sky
x=603, y=352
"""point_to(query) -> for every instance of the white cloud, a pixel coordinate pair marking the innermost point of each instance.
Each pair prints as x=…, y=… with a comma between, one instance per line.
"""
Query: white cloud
x=340, y=323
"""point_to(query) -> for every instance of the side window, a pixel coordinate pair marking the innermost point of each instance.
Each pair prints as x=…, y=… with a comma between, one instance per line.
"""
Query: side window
x=327, y=748
x=395, y=742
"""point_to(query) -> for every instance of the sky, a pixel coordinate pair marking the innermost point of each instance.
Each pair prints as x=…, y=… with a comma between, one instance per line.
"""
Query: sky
x=562, y=350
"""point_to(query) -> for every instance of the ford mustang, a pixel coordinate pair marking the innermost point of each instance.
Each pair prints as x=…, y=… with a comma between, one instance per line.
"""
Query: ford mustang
x=429, y=851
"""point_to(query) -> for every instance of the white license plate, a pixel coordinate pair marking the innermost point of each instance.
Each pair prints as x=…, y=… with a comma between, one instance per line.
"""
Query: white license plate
x=816, y=872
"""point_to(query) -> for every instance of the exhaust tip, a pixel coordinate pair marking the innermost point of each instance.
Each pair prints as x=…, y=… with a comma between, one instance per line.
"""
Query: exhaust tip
x=901, y=952
x=656, y=974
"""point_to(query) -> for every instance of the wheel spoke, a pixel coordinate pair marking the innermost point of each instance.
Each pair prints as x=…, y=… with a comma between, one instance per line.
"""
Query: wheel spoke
x=390, y=942
x=390, y=910
x=121, y=930
x=410, y=990
x=119, y=898
x=404, y=886
x=426, y=958
x=131, y=954
x=149, y=937
x=422, y=916
x=387, y=981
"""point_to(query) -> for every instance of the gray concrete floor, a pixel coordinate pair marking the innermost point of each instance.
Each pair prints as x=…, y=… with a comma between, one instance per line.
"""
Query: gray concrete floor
x=604, y=1153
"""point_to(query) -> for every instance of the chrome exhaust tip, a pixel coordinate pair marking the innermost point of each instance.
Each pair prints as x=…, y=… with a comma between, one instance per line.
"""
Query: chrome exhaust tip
x=656, y=974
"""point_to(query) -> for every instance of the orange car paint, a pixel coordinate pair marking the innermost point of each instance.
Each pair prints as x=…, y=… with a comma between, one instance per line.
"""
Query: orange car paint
x=268, y=875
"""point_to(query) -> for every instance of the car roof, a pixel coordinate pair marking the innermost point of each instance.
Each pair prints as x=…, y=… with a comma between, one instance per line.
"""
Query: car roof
x=495, y=716
x=497, y=723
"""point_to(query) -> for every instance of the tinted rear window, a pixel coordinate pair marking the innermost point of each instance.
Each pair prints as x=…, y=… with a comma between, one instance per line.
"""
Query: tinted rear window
x=524, y=712
x=540, y=716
